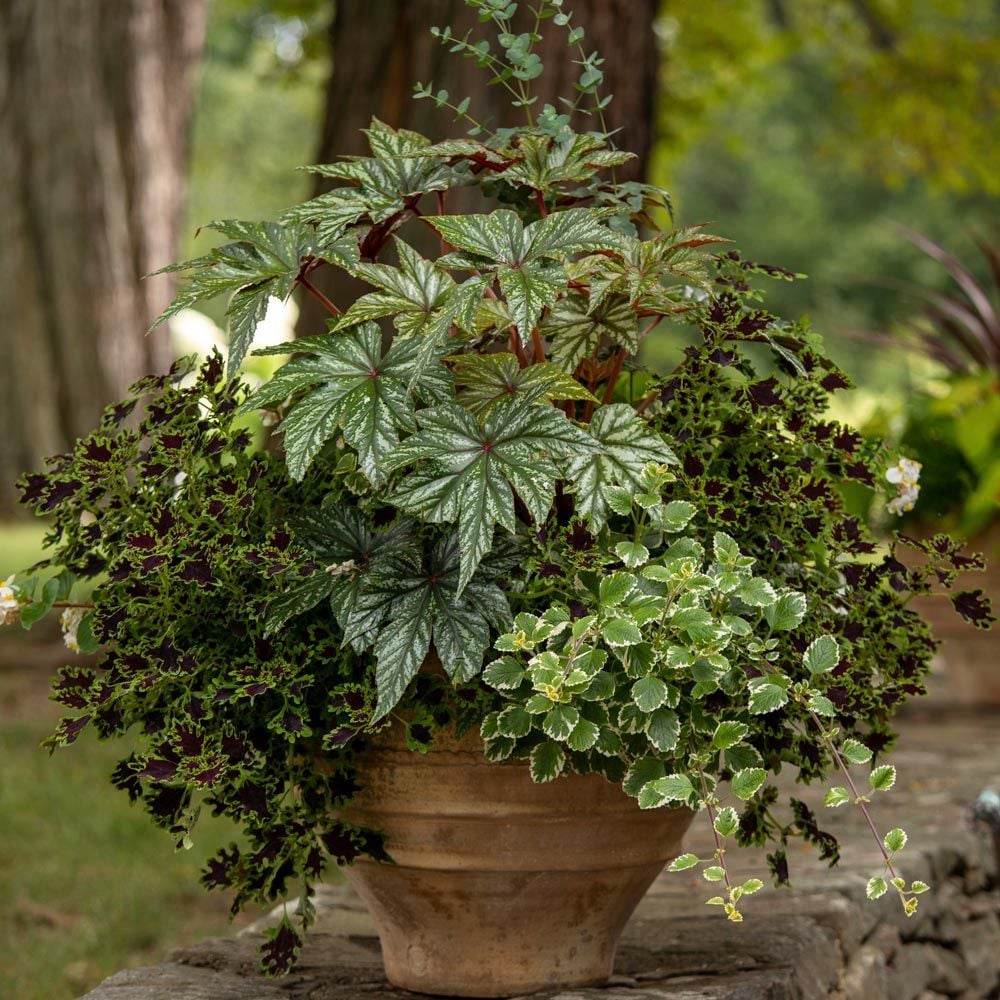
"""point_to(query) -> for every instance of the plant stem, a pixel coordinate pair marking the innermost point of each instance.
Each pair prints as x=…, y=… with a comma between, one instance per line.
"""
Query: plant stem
x=317, y=294
x=542, y=210
x=719, y=849
x=858, y=799
x=539, y=345
x=515, y=346
x=647, y=401
x=616, y=370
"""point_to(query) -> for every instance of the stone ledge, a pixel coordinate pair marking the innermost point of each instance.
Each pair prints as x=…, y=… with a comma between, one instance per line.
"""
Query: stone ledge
x=821, y=939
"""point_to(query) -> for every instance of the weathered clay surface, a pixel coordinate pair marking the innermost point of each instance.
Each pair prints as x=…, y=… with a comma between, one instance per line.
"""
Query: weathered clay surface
x=821, y=939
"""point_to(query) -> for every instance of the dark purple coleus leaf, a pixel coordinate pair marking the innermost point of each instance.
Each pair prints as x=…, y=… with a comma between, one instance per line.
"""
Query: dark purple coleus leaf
x=197, y=571
x=835, y=380
x=762, y=393
x=974, y=607
x=278, y=953
x=219, y=872
x=777, y=863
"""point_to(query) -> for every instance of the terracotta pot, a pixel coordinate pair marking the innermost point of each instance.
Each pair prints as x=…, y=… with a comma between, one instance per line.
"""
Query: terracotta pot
x=501, y=886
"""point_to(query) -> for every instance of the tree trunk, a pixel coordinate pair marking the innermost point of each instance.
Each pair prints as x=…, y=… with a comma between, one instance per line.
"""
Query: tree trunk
x=95, y=97
x=382, y=47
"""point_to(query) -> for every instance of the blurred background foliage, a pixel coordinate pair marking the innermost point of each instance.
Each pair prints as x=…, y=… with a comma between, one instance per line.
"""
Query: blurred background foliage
x=808, y=131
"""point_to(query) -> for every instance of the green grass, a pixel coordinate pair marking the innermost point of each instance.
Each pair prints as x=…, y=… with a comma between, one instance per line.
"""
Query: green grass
x=90, y=886
x=20, y=546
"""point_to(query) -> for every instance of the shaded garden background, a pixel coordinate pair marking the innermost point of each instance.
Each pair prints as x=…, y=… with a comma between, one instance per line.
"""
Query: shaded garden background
x=808, y=131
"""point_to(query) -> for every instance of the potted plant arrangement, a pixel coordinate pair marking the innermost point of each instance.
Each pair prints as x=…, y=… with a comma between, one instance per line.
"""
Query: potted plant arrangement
x=486, y=597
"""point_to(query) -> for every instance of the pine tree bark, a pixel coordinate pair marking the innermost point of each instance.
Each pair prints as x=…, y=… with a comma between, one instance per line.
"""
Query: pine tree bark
x=95, y=97
x=381, y=47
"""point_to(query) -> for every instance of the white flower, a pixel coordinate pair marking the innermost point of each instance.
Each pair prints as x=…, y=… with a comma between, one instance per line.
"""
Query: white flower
x=342, y=569
x=9, y=604
x=904, y=475
x=8, y=594
x=70, y=621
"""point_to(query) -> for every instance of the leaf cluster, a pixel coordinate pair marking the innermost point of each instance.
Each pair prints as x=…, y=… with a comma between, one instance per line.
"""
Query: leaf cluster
x=472, y=457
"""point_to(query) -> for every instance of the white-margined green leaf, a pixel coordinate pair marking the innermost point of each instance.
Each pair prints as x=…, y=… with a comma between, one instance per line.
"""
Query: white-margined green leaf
x=649, y=693
x=560, y=721
x=895, y=840
x=746, y=782
x=547, y=761
x=757, y=593
x=728, y=734
x=787, y=611
x=855, y=751
x=882, y=778
x=726, y=821
x=683, y=862
x=822, y=655
x=660, y=791
x=836, y=796
x=876, y=888
x=821, y=705
x=766, y=696
x=505, y=674
x=673, y=516
x=615, y=588
x=663, y=729
x=584, y=736
x=633, y=554
x=640, y=773
x=617, y=632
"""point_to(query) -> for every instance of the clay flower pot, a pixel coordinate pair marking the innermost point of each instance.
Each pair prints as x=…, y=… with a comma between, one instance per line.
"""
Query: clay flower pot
x=501, y=886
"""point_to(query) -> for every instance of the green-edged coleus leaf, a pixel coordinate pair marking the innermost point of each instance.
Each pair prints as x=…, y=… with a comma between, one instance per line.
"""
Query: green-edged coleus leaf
x=411, y=600
x=469, y=470
x=486, y=380
x=352, y=389
x=262, y=261
x=577, y=331
x=626, y=443
x=525, y=259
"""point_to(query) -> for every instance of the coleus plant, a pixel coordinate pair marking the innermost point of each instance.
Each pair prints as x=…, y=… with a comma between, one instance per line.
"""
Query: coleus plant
x=645, y=574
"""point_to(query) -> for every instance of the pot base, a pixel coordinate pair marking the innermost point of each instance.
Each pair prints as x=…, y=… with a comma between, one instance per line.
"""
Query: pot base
x=501, y=886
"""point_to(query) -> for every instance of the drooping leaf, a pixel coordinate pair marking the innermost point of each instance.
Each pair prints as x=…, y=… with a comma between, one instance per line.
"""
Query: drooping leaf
x=547, y=761
x=262, y=261
x=660, y=791
x=411, y=599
